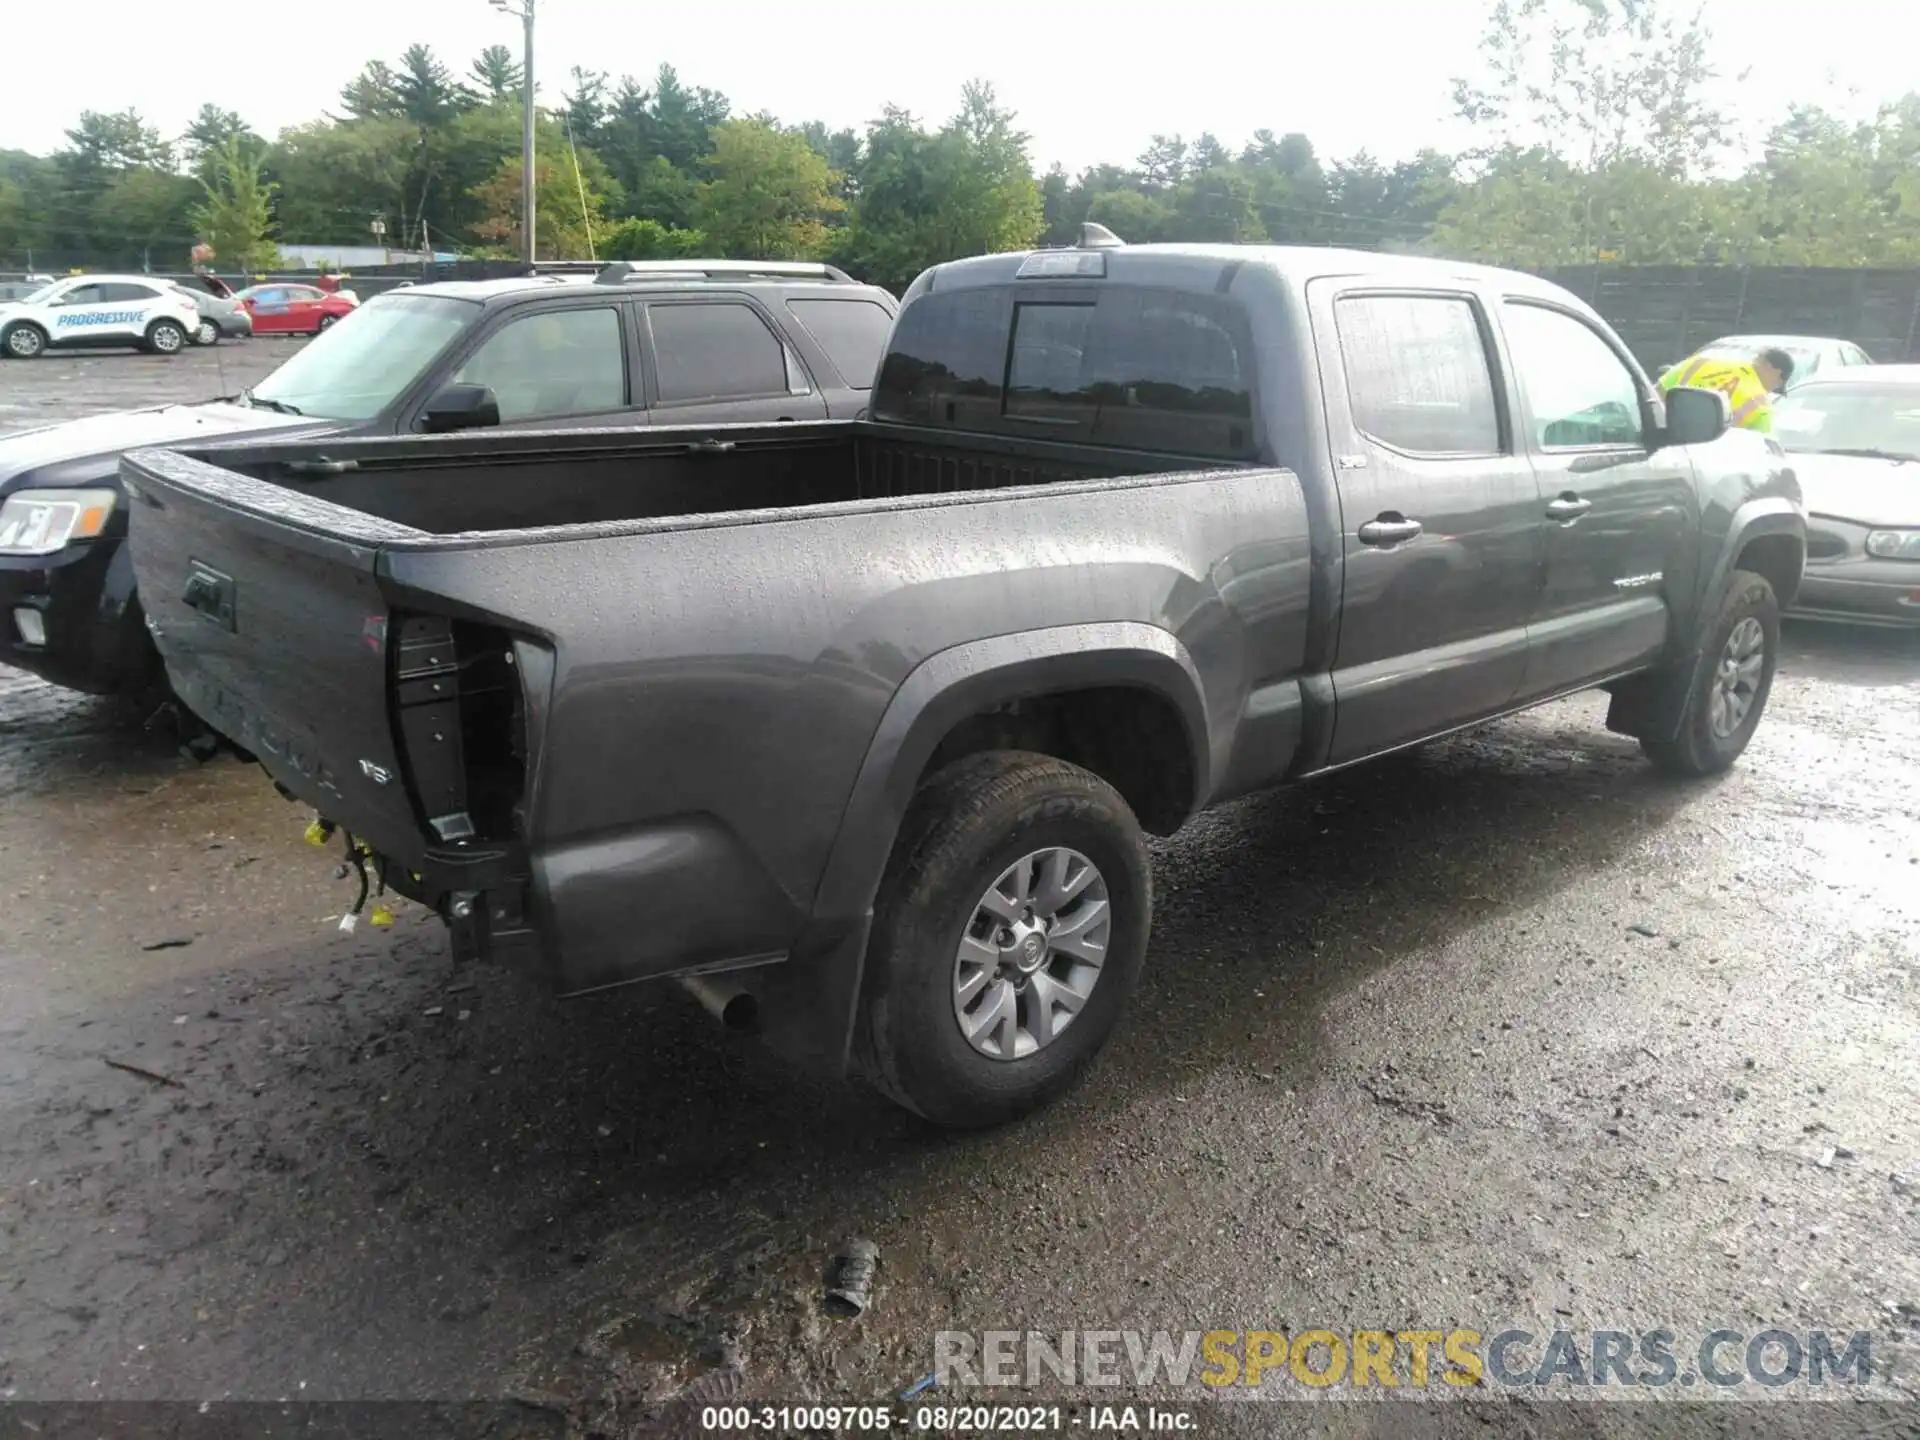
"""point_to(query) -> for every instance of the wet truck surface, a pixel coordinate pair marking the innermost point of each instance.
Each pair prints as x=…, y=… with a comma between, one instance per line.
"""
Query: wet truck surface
x=857, y=728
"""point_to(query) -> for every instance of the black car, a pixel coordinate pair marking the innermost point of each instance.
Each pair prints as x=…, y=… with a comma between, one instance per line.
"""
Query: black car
x=681, y=342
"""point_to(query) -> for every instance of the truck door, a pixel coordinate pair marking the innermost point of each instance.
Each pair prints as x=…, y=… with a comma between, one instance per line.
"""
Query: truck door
x=719, y=362
x=1440, y=516
x=1618, y=515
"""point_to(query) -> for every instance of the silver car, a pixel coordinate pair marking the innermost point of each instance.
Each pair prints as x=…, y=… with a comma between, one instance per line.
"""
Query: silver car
x=221, y=316
x=1854, y=435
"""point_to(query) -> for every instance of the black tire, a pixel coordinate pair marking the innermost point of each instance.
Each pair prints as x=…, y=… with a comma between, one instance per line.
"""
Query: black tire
x=207, y=332
x=966, y=826
x=326, y=323
x=166, y=337
x=1697, y=750
x=23, y=342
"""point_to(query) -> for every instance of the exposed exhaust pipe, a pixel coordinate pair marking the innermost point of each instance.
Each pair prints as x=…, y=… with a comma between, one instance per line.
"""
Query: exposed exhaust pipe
x=734, y=1008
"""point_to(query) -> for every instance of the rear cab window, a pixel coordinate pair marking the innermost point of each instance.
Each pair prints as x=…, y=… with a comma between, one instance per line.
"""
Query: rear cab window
x=1133, y=367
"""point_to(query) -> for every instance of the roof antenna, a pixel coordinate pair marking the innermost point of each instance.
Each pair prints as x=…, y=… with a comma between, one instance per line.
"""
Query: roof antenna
x=1098, y=237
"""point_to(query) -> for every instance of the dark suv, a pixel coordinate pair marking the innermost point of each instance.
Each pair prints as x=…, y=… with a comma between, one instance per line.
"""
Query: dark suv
x=680, y=342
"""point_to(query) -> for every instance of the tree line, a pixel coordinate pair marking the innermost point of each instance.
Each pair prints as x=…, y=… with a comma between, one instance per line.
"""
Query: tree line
x=1597, y=138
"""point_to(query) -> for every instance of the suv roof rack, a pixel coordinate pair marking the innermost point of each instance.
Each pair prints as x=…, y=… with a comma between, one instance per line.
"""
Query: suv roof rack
x=619, y=272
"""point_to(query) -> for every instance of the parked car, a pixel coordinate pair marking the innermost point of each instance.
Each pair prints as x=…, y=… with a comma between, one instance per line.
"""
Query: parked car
x=133, y=311
x=295, y=309
x=1812, y=355
x=220, y=317
x=692, y=340
x=855, y=726
x=1854, y=436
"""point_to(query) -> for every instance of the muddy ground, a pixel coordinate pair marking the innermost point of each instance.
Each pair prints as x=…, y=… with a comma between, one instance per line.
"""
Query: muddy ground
x=1508, y=1032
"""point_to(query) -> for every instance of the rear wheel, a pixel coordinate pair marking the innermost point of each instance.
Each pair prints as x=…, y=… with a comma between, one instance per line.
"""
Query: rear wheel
x=1010, y=929
x=206, y=332
x=1731, y=689
x=326, y=322
x=23, y=341
x=166, y=337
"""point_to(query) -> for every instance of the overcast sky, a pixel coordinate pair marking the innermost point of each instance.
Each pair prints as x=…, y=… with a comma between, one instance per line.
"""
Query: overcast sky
x=1090, y=82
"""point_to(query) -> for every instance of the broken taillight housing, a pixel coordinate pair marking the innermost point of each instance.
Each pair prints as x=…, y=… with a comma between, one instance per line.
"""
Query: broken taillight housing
x=460, y=715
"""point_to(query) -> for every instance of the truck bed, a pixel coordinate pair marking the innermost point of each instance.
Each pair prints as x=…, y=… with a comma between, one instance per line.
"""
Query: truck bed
x=633, y=677
x=482, y=482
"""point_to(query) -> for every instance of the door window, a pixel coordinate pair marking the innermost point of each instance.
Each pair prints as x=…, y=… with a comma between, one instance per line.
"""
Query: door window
x=128, y=294
x=84, y=295
x=1579, y=392
x=718, y=350
x=1417, y=373
x=555, y=363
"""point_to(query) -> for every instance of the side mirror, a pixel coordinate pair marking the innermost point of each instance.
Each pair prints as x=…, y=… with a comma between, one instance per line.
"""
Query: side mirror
x=1696, y=417
x=461, y=407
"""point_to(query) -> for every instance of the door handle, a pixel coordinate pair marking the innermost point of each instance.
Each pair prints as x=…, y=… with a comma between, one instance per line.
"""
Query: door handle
x=1389, y=529
x=1568, y=507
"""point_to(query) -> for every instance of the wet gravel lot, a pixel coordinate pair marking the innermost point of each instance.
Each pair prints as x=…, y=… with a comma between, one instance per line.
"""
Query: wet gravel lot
x=1508, y=1032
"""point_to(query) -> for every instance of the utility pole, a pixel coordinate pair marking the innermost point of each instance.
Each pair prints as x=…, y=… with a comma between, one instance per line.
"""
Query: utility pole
x=524, y=9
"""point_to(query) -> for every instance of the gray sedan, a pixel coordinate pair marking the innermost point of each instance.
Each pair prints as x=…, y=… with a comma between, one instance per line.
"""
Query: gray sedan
x=1854, y=435
x=220, y=316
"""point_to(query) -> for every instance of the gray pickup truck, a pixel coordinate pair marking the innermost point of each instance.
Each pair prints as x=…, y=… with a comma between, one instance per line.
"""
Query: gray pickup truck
x=855, y=727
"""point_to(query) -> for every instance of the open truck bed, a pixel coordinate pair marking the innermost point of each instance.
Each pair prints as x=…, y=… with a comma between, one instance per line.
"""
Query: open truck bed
x=612, y=693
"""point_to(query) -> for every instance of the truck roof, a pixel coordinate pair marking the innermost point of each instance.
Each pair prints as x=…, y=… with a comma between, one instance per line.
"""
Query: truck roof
x=1196, y=266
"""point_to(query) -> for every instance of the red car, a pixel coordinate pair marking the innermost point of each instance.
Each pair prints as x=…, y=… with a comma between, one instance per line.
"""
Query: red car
x=281, y=309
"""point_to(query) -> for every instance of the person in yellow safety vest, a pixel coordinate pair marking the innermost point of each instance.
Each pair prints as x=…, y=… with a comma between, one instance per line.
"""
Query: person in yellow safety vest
x=1750, y=387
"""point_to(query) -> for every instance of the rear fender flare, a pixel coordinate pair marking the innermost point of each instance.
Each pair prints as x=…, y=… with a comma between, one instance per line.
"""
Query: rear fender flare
x=947, y=687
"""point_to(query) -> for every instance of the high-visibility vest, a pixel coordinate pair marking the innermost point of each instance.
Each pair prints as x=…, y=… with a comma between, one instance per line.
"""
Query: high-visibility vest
x=1747, y=398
